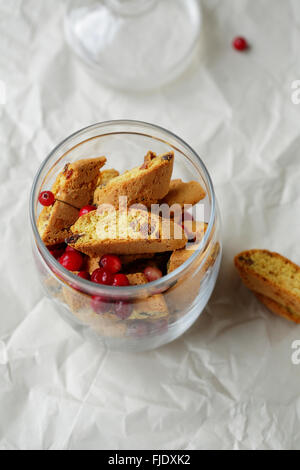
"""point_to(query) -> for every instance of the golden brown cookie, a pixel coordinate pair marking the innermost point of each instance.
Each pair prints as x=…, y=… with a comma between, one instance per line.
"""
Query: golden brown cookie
x=178, y=257
x=153, y=307
x=186, y=290
x=283, y=311
x=77, y=182
x=106, y=324
x=74, y=188
x=106, y=176
x=55, y=221
x=144, y=185
x=121, y=232
x=272, y=276
x=183, y=193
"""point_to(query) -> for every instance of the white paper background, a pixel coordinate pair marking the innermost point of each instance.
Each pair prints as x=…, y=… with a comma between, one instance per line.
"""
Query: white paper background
x=229, y=383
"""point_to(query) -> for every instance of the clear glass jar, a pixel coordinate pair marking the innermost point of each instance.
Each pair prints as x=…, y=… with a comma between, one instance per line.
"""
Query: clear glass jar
x=181, y=295
x=134, y=45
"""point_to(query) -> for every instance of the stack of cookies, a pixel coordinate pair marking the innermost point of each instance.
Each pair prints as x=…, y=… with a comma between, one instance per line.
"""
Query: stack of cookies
x=101, y=226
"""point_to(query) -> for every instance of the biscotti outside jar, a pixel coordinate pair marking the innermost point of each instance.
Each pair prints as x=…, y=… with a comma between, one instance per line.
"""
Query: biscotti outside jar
x=161, y=310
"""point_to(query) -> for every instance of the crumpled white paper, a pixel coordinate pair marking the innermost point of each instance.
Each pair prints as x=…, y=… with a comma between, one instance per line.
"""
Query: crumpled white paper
x=229, y=383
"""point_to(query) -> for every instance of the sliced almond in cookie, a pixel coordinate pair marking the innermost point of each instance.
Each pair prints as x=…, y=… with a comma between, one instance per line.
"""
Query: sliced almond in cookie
x=274, y=277
x=121, y=232
x=145, y=184
x=183, y=193
x=74, y=188
x=153, y=307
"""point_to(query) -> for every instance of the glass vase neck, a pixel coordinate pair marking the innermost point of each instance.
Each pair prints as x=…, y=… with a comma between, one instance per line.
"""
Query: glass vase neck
x=130, y=7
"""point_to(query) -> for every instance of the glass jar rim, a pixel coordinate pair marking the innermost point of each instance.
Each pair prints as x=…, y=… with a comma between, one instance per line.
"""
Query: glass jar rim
x=100, y=289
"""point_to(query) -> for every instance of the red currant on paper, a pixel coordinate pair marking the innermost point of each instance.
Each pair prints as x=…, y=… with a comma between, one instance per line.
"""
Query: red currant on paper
x=240, y=44
x=46, y=198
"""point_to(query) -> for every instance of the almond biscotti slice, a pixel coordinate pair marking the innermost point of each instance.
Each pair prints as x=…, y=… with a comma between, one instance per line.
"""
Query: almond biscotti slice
x=125, y=232
x=153, y=307
x=106, y=176
x=144, y=185
x=183, y=193
x=272, y=276
x=55, y=221
x=74, y=188
x=281, y=310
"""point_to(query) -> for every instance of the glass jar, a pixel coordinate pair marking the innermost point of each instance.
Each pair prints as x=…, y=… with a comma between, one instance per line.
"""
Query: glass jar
x=164, y=309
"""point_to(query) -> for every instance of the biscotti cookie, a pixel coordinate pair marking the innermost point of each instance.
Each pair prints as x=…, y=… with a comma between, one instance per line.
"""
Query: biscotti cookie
x=106, y=176
x=77, y=182
x=183, y=193
x=187, y=288
x=275, y=307
x=106, y=324
x=272, y=276
x=55, y=221
x=153, y=307
x=121, y=232
x=144, y=185
x=74, y=188
x=178, y=257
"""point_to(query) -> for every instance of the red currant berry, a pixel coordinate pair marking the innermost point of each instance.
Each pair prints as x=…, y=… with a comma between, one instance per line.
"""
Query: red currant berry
x=120, y=280
x=57, y=250
x=46, y=198
x=123, y=309
x=70, y=249
x=102, y=276
x=71, y=261
x=84, y=275
x=86, y=209
x=100, y=304
x=111, y=262
x=152, y=273
x=239, y=43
